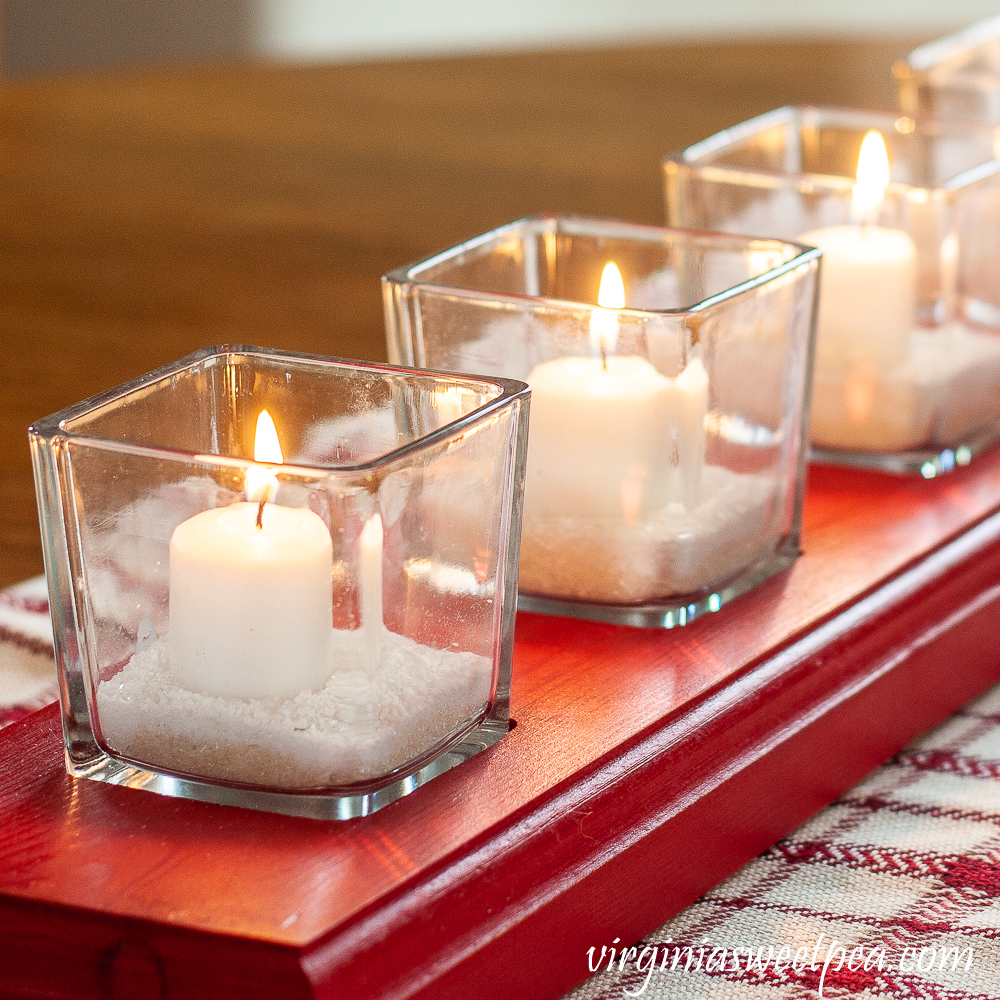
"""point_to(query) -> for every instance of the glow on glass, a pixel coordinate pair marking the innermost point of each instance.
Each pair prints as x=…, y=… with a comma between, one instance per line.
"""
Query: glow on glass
x=873, y=174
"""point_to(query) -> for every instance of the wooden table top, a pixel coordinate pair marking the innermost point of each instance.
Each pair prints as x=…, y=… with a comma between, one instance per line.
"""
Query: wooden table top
x=144, y=215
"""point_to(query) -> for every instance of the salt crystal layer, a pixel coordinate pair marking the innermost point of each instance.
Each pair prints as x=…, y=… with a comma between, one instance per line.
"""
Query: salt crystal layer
x=671, y=551
x=947, y=388
x=355, y=729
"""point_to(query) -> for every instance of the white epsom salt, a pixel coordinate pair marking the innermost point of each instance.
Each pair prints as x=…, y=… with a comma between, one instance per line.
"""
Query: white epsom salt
x=354, y=730
x=947, y=387
x=669, y=551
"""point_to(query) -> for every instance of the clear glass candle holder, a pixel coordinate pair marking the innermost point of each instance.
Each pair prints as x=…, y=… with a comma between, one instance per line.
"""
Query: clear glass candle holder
x=907, y=374
x=660, y=482
x=313, y=620
x=954, y=77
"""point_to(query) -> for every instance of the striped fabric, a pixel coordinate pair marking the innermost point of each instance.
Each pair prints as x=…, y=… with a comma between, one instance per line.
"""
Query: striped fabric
x=27, y=670
x=892, y=891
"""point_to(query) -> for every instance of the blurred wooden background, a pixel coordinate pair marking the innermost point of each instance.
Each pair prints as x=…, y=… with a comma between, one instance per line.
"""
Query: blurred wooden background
x=146, y=214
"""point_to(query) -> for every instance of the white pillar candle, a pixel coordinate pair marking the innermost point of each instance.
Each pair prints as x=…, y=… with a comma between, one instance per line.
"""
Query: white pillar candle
x=610, y=436
x=371, y=589
x=867, y=296
x=250, y=608
x=598, y=443
x=251, y=592
x=869, y=279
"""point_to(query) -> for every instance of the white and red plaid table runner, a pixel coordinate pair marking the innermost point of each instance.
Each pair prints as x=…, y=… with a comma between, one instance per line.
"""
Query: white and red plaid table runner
x=27, y=670
x=892, y=891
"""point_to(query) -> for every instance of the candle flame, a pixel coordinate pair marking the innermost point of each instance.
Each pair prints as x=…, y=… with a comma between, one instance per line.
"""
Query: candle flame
x=603, y=323
x=872, y=176
x=266, y=447
x=262, y=484
x=611, y=294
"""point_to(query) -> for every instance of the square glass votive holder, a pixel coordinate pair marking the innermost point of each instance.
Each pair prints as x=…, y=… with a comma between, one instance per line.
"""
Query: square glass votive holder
x=312, y=625
x=907, y=374
x=954, y=77
x=660, y=482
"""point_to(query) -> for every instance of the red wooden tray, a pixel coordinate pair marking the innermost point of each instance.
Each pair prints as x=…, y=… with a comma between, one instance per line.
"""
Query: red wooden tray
x=645, y=767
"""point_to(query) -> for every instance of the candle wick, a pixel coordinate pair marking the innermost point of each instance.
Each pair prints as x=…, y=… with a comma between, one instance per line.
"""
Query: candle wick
x=260, y=511
x=604, y=356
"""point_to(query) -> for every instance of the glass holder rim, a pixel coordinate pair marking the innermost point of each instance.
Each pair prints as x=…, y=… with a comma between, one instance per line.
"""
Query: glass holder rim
x=925, y=57
x=403, y=276
x=689, y=156
x=50, y=428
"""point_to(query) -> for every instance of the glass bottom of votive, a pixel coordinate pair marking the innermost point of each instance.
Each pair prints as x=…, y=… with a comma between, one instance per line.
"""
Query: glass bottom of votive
x=322, y=805
x=927, y=462
x=669, y=612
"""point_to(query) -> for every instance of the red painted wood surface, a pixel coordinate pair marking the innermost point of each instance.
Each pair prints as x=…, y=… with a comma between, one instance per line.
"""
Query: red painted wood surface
x=645, y=767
